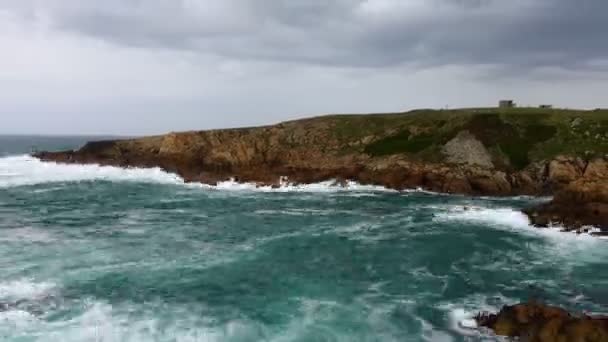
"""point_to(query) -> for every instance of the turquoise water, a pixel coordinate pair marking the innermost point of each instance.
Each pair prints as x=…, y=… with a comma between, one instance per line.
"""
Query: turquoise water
x=105, y=254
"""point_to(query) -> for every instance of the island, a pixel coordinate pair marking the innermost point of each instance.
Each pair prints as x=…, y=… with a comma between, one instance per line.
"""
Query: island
x=505, y=151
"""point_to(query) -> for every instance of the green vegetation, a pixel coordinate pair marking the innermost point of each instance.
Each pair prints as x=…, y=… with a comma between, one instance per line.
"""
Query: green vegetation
x=403, y=142
x=399, y=142
x=517, y=135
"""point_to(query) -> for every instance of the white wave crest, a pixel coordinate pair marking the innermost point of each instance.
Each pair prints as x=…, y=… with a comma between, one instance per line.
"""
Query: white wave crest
x=26, y=170
x=461, y=314
x=571, y=248
x=330, y=186
x=24, y=289
x=504, y=217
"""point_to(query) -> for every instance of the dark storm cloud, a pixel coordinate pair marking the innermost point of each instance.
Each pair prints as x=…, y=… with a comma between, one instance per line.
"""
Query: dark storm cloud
x=372, y=33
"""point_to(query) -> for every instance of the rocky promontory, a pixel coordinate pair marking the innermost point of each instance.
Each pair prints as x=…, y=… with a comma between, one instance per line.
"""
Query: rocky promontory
x=537, y=322
x=582, y=202
x=490, y=151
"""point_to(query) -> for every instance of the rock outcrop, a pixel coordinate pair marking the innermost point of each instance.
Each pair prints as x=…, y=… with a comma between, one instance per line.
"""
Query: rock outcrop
x=221, y=158
x=583, y=201
x=466, y=149
x=536, y=322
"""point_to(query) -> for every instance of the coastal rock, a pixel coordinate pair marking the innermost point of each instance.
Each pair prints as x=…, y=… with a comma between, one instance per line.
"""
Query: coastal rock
x=466, y=149
x=489, y=182
x=583, y=202
x=597, y=168
x=564, y=170
x=526, y=184
x=536, y=322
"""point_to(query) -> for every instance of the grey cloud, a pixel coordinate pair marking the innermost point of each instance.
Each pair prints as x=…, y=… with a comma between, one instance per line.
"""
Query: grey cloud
x=152, y=66
x=520, y=33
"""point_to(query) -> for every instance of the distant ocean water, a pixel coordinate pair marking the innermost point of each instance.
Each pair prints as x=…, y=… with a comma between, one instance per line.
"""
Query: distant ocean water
x=91, y=253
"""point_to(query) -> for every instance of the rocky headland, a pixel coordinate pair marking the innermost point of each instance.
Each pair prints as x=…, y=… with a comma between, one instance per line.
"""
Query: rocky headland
x=536, y=322
x=494, y=152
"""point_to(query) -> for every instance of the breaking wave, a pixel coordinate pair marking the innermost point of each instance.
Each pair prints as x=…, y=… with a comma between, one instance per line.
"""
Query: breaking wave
x=330, y=186
x=570, y=247
x=24, y=289
x=506, y=218
x=25, y=170
x=502, y=217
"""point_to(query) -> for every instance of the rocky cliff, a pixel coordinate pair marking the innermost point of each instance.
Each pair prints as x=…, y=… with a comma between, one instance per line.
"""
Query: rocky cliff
x=543, y=323
x=472, y=151
x=582, y=201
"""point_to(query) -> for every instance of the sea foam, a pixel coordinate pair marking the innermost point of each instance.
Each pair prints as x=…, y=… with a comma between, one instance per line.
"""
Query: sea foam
x=24, y=289
x=505, y=219
x=26, y=170
x=501, y=217
x=569, y=247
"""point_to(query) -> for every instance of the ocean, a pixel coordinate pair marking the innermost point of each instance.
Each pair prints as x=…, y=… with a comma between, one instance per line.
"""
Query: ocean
x=91, y=253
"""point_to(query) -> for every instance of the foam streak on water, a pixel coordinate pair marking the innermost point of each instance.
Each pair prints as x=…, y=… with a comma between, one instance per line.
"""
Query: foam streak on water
x=90, y=253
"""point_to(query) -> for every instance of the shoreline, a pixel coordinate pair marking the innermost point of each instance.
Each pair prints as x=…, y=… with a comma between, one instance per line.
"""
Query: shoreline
x=479, y=152
x=334, y=186
x=590, y=210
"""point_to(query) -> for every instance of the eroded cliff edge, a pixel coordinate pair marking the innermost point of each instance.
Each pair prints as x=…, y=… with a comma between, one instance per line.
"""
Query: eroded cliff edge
x=489, y=151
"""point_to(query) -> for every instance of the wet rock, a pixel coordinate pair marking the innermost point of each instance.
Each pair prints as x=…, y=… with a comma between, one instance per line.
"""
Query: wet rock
x=583, y=202
x=489, y=182
x=537, y=322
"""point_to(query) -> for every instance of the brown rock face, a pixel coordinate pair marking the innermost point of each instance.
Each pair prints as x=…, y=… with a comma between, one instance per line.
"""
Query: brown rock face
x=535, y=322
x=582, y=202
x=304, y=153
x=564, y=170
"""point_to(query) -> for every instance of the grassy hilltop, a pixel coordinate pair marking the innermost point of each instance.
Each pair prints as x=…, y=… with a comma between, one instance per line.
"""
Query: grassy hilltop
x=514, y=136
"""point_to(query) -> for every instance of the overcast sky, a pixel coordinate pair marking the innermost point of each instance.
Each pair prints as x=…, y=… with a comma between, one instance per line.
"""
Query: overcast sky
x=153, y=66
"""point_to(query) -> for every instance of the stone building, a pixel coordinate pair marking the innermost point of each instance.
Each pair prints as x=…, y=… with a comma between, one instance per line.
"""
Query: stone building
x=506, y=104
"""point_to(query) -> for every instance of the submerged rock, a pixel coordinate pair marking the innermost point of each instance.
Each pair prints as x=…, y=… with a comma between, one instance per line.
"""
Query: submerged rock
x=537, y=322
